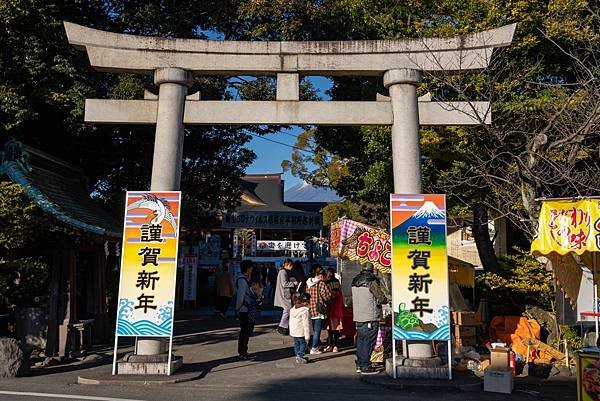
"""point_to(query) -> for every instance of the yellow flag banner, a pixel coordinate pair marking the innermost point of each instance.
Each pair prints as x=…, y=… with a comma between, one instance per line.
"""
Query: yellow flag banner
x=568, y=226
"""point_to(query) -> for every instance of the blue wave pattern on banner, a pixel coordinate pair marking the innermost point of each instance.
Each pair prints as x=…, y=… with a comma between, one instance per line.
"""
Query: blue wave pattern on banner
x=442, y=332
x=143, y=327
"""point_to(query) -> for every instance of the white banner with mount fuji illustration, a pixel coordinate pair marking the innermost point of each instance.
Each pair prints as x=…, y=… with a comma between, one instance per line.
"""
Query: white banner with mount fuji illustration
x=420, y=295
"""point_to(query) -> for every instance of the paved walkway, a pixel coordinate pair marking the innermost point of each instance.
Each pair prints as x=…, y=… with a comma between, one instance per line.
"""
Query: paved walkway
x=208, y=345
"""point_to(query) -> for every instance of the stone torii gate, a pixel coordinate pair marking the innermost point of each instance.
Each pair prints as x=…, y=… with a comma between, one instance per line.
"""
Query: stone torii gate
x=399, y=62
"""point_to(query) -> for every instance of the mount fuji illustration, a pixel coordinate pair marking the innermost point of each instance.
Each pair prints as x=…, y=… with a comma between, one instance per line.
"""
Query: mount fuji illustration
x=427, y=215
x=429, y=211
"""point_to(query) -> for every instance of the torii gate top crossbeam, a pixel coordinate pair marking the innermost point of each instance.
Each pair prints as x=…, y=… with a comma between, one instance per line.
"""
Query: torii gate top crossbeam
x=141, y=54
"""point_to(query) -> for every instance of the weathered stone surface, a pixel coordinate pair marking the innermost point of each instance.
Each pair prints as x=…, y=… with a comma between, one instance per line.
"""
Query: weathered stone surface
x=421, y=373
x=168, y=150
x=31, y=326
x=14, y=358
x=212, y=112
x=288, y=87
x=414, y=372
x=421, y=363
x=157, y=358
x=127, y=53
x=142, y=368
x=406, y=153
x=420, y=351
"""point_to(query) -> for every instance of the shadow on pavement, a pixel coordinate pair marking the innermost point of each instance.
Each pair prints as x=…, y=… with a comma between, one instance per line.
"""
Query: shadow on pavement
x=260, y=357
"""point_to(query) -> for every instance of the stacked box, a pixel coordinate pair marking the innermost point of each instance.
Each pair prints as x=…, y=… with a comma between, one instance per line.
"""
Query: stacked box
x=498, y=381
x=465, y=328
x=465, y=318
x=498, y=377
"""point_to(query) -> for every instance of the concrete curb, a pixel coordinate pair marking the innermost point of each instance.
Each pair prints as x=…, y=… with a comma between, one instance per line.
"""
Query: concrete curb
x=475, y=385
x=184, y=377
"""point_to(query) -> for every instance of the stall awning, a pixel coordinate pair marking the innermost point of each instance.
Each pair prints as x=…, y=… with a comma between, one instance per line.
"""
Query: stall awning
x=344, y=241
x=569, y=235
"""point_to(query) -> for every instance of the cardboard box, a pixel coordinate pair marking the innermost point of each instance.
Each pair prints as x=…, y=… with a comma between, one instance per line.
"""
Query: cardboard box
x=499, y=359
x=464, y=331
x=465, y=318
x=464, y=342
x=498, y=381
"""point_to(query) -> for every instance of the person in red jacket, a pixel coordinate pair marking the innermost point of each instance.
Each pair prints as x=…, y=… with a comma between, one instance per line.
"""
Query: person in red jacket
x=336, y=312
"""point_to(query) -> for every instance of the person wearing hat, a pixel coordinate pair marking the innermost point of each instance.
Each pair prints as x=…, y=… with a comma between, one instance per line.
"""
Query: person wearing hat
x=367, y=299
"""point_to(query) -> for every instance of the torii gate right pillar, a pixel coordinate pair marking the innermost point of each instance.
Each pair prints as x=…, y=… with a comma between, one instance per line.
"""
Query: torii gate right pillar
x=406, y=154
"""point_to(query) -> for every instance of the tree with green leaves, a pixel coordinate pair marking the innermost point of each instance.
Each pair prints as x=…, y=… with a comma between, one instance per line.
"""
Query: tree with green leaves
x=543, y=90
x=24, y=275
x=44, y=82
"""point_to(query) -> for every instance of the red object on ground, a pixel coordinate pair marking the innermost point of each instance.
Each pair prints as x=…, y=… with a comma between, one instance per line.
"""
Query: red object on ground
x=512, y=362
x=348, y=327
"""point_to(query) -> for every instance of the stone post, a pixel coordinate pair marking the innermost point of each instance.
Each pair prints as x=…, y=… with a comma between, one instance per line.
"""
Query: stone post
x=406, y=152
x=406, y=155
x=173, y=84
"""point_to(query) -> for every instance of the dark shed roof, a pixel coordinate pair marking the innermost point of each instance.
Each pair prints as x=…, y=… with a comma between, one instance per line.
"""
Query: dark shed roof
x=58, y=188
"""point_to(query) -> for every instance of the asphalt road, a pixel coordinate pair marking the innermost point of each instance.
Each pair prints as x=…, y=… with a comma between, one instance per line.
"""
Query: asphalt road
x=209, y=348
x=43, y=391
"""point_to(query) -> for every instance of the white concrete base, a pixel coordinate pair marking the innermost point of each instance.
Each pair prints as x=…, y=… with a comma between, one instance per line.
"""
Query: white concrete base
x=148, y=368
x=420, y=350
x=416, y=372
x=151, y=346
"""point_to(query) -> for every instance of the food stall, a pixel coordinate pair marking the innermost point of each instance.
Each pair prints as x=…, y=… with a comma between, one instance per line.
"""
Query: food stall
x=569, y=237
x=348, y=244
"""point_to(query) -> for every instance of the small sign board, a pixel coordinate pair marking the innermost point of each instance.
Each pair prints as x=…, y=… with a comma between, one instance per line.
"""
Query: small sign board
x=281, y=245
x=190, y=277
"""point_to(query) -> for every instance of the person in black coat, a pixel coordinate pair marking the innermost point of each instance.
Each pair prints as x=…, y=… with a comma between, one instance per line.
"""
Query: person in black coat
x=297, y=272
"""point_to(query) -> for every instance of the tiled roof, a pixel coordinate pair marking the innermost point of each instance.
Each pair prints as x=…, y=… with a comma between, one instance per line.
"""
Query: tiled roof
x=58, y=188
x=265, y=192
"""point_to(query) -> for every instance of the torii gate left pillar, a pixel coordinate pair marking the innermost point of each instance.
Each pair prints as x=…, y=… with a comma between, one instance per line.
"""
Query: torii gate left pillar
x=406, y=152
x=173, y=84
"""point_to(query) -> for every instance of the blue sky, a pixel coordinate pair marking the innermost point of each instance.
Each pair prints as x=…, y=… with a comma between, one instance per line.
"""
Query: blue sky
x=269, y=155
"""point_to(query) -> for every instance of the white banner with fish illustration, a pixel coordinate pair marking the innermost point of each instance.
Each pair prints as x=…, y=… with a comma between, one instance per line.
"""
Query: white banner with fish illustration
x=148, y=264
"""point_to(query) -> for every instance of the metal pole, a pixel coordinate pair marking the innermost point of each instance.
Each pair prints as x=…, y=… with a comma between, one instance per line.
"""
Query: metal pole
x=449, y=359
x=170, y=355
x=393, y=345
x=595, y=298
x=114, y=366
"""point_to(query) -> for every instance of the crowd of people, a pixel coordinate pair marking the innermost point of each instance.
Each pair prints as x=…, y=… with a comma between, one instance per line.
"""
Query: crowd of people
x=310, y=304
